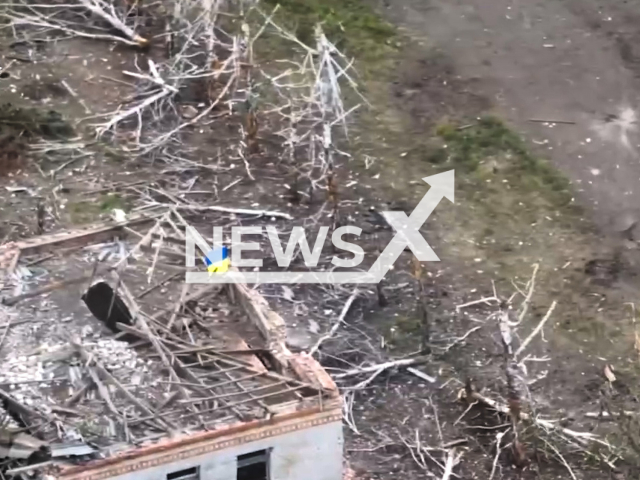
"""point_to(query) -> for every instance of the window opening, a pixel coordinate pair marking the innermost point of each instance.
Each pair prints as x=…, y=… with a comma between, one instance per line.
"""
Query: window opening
x=192, y=473
x=253, y=466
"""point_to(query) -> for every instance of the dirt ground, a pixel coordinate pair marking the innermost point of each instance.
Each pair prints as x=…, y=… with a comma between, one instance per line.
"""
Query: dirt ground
x=530, y=63
x=573, y=61
x=566, y=61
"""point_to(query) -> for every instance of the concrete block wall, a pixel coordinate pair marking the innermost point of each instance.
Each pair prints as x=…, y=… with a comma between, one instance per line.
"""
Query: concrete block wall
x=309, y=454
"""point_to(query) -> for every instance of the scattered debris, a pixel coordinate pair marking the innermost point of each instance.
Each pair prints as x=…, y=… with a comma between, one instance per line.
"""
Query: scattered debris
x=175, y=368
x=152, y=359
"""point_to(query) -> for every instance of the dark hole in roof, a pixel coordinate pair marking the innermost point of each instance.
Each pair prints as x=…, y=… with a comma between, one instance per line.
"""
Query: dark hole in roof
x=107, y=306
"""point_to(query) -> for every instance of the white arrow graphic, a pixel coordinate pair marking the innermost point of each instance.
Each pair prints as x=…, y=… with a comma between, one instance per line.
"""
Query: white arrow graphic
x=408, y=228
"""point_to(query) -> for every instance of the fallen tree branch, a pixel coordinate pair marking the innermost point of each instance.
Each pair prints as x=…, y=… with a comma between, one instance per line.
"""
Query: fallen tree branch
x=461, y=339
x=527, y=300
x=536, y=330
x=98, y=7
x=154, y=77
x=382, y=366
x=238, y=211
x=336, y=325
x=367, y=381
x=40, y=22
x=499, y=436
x=562, y=459
x=421, y=375
x=581, y=437
x=133, y=110
x=451, y=462
x=484, y=300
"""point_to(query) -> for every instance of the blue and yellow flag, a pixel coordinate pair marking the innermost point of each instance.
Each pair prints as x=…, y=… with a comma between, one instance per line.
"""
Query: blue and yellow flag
x=217, y=260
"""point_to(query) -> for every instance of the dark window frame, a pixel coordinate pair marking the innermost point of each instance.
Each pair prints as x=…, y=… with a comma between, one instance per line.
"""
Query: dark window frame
x=191, y=473
x=254, y=458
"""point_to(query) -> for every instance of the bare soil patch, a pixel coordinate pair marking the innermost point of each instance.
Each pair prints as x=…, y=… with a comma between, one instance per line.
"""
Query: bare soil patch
x=503, y=222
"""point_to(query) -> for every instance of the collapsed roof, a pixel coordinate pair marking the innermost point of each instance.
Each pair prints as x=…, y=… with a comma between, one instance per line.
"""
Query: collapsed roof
x=104, y=350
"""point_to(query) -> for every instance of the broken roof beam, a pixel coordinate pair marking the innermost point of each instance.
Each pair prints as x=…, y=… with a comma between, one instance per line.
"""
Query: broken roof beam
x=217, y=355
x=256, y=399
x=104, y=373
x=246, y=392
x=146, y=332
x=196, y=384
x=81, y=236
x=270, y=324
x=308, y=370
x=273, y=327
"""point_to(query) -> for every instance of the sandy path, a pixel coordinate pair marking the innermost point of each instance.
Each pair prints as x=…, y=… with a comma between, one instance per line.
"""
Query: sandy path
x=560, y=60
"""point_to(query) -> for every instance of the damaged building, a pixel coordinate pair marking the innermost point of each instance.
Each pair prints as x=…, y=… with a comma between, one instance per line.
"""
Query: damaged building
x=105, y=374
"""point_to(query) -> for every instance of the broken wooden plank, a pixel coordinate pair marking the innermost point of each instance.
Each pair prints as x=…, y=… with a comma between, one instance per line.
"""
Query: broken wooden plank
x=82, y=236
x=270, y=324
x=102, y=372
x=103, y=391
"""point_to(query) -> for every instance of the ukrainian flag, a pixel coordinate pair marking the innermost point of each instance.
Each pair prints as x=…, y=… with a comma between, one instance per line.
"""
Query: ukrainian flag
x=217, y=260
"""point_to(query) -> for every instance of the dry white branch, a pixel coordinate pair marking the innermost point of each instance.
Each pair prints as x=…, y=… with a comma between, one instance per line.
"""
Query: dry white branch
x=367, y=381
x=107, y=13
x=499, y=436
x=336, y=325
x=584, y=438
x=421, y=375
x=531, y=286
x=484, y=300
x=381, y=366
x=536, y=330
x=18, y=18
x=452, y=461
x=237, y=211
x=154, y=77
x=461, y=339
x=133, y=111
x=609, y=416
x=100, y=8
x=347, y=408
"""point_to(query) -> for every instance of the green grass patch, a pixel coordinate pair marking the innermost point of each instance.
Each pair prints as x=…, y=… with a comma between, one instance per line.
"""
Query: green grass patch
x=350, y=24
x=488, y=149
x=90, y=211
x=33, y=122
x=83, y=212
x=112, y=201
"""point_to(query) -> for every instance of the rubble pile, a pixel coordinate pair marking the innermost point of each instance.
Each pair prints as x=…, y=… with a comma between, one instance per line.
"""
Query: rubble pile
x=76, y=382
